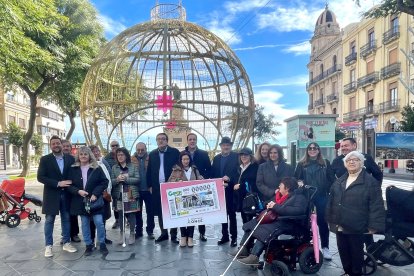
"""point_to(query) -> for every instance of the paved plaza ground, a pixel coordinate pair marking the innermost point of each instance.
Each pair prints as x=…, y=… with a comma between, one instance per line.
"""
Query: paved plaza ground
x=22, y=249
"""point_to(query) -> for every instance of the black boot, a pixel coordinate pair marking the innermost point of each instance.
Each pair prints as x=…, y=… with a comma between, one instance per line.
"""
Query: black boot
x=89, y=250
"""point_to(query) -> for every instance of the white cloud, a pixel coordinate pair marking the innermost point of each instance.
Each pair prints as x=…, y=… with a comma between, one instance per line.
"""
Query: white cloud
x=258, y=47
x=299, y=80
x=303, y=48
x=268, y=99
x=111, y=26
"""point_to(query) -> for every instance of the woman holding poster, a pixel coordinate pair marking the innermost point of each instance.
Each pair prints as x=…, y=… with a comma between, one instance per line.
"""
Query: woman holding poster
x=185, y=171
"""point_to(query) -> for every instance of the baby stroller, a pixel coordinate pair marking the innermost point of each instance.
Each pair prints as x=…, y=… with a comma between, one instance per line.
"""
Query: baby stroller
x=396, y=248
x=13, y=200
x=284, y=252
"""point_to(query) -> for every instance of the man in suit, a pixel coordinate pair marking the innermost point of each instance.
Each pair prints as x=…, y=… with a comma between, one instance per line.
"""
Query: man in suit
x=140, y=159
x=225, y=166
x=201, y=160
x=74, y=223
x=52, y=172
x=160, y=164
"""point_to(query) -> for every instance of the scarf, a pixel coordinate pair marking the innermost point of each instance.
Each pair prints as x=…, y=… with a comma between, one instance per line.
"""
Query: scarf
x=280, y=199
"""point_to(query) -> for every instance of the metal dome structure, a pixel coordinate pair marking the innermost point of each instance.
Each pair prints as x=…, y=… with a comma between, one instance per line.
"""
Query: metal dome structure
x=166, y=75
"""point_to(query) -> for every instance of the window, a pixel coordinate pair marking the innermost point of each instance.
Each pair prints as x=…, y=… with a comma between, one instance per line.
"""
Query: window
x=352, y=75
x=371, y=37
x=334, y=60
x=370, y=66
x=334, y=88
x=334, y=110
x=352, y=104
x=22, y=123
x=12, y=119
x=352, y=47
x=370, y=101
x=393, y=56
x=311, y=75
x=321, y=68
x=393, y=93
x=394, y=24
x=321, y=96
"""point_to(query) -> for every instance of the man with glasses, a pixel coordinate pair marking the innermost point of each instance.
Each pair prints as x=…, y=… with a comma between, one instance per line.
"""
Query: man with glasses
x=140, y=159
x=160, y=164
x=111, y=159
x=201, y=160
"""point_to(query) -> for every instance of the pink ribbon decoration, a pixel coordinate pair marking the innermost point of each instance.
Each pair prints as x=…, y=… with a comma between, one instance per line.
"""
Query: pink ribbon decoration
x=315, y=238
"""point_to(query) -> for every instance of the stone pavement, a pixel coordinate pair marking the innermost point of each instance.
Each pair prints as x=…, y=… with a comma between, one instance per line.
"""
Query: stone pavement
x=22, y=249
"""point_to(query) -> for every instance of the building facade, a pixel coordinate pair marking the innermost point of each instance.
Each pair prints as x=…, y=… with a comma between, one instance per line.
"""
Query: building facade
x=376, y=78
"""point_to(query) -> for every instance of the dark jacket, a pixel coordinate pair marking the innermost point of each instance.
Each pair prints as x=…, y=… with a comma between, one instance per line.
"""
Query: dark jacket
x=248, y=177
x=295, y=205
x=95, y=185
x=48, y=173
x=110, y=158
x=371, y=167
x=170, y=159
x=202, y=162
x=230, y=170
x=268, y=179
x=358, y=208
x=317, y=175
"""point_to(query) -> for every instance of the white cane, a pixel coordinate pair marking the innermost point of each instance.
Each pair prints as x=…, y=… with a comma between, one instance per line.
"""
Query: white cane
x=248, y=238
x=123, y=215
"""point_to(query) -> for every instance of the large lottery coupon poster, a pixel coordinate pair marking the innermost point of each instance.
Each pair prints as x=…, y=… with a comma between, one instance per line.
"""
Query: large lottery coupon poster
x=189, y=203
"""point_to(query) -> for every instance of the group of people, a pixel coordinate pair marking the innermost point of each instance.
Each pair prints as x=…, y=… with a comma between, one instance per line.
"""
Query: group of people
x=348, y=193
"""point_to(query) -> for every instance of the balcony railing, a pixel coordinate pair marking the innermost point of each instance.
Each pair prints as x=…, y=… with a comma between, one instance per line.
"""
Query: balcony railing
x=391, y=35
x=390, y=106
x=391, y=70
x=357, y=114
x=324, y=75
x=368, y=79
x=350, y=87
x=368, y=48
x=332, y=98
x=351, y=59
x=318, y=103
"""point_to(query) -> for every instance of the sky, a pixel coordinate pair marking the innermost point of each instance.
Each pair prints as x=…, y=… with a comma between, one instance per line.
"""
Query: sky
x=270, y=37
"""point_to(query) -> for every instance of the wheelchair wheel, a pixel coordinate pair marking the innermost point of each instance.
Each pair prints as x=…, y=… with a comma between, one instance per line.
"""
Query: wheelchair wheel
x=279, y=268
x=12, y=220
x=370, y=264
x=307, y=261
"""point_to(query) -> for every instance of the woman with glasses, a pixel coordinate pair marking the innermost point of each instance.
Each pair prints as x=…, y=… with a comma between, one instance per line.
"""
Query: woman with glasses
x=355, y=208
x=125, y=180
x=314, y=170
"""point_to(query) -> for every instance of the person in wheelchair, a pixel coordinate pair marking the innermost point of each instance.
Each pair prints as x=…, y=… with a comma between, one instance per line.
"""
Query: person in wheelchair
x=289, y=201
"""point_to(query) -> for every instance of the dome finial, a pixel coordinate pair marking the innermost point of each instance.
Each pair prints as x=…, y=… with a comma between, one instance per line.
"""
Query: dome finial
x=326, y=4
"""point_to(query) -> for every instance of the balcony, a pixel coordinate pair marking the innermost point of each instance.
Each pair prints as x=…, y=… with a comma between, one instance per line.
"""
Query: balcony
x=319, y=103
x=350, y=87
x=332, y=98
x=359, y=113
x=391, y=70
x=391, y=35
x=324, y=75
x=390, y=106
x=368, y=79
x=368, y=48
x=351, y=59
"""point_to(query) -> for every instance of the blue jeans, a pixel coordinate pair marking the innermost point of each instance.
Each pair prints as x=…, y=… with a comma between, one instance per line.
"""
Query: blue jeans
x=64, y=221
x=86, y=228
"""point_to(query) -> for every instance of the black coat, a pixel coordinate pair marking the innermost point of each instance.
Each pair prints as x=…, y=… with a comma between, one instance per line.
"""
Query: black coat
x=202, y=162
x=317, y=175
x=170, y=159
x=268, y=179
x=231, y=170
x=248, y=176
x=48, y=173
x=358, y=208
x=95, y=185
x=295, y=205
x=371, y=167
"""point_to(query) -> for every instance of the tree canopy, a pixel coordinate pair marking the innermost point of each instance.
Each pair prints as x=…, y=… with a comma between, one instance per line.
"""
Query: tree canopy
x=407, y=122
x=388, y=7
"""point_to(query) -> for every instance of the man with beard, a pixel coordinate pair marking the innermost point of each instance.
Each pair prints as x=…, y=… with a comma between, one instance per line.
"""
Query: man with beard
x=140, y=159
x=52, y=172
x=201, y=160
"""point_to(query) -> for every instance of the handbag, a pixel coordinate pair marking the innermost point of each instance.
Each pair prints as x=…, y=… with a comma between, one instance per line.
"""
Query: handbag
x=252, y=204
x=268, y=215
x=107, y=196
x=92, y=206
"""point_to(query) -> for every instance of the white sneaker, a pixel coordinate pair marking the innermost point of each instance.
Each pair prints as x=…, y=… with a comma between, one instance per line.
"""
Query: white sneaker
x=326, y=254
x=48, y=251
x=69, y=248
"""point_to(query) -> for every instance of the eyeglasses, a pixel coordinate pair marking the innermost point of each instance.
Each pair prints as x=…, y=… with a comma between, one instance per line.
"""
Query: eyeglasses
x=114, y=146
x=313, y=148
x=140, y=150
x=161, y=139
x=353, y=161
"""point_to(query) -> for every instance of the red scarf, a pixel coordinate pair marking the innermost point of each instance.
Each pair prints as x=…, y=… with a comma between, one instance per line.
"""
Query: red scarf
x=280, y=199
